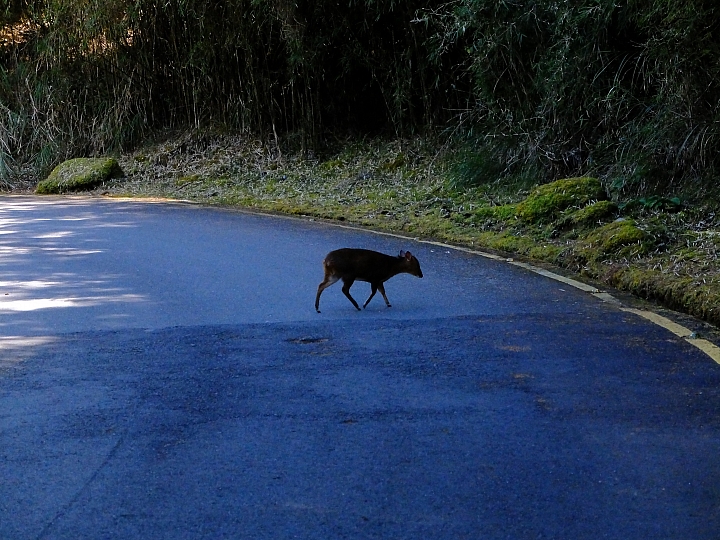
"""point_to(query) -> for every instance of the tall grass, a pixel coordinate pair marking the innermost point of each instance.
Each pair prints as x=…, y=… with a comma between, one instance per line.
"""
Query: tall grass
x=628, y=91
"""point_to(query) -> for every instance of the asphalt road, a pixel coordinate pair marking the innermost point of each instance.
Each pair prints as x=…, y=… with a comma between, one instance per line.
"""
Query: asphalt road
x=163, y=374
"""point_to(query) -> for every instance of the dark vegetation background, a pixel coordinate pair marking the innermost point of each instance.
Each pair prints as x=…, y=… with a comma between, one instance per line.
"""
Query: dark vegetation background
x=626, y=91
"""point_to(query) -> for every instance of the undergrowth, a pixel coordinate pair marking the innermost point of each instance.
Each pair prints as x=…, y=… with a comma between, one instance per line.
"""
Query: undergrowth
x=627, y=92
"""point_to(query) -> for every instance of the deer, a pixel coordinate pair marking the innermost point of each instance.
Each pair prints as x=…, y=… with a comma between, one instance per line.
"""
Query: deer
x=350, y=265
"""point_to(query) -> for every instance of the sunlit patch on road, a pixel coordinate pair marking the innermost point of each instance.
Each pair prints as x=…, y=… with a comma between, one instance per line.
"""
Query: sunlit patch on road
x=34, y=304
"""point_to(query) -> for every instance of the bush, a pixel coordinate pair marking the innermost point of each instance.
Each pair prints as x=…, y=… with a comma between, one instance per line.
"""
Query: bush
x=626, y=92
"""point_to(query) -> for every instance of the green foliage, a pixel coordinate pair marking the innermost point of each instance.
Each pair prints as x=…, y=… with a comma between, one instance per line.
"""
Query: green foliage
x=626, y=92
x=472, y=168
x=653, y=202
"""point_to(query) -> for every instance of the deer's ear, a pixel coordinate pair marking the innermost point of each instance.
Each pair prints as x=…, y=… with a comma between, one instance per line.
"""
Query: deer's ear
x=402, y=254
x=408, y=255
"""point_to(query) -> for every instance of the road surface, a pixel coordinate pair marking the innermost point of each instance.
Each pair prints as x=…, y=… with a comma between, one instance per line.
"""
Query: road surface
x=163, y=374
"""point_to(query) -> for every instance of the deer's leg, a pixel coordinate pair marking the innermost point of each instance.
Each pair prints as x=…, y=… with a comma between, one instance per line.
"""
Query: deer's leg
x=329, y=280
x=381, y=288
x=373, y=290
x=346, y=291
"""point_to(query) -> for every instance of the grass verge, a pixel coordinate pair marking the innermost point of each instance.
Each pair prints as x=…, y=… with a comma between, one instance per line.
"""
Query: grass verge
x=667, y=253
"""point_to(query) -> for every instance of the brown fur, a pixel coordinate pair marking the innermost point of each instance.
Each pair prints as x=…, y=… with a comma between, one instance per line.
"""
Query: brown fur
x=352, y=265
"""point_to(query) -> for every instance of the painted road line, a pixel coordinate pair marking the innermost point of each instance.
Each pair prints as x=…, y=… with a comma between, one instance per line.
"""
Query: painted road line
x=712, y=350
x=675, y=328
x=557, y=277
x=607, y=297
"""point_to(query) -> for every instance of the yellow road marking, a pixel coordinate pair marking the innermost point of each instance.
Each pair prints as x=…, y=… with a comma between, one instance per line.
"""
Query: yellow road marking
x=712, y=350
x=675, y=328
x=557, y=277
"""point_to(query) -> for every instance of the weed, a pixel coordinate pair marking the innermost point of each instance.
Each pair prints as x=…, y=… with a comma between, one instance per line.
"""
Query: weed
x=653, y=202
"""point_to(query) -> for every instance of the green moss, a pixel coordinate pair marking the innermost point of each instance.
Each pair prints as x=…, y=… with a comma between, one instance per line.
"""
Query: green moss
x=592, y=213
x=549, y=253
x=546, y=202
x=691, y=294
x=620, y=237
x=79, y=174
x=507, y=241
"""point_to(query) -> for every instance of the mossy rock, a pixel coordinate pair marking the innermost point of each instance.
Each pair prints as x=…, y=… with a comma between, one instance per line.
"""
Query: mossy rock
x=79, y=174
x=547, y=201
x=619, y=237
x=591, y=214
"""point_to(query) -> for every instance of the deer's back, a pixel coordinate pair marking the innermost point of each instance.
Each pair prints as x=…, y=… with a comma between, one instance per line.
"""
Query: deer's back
x=360, y=264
